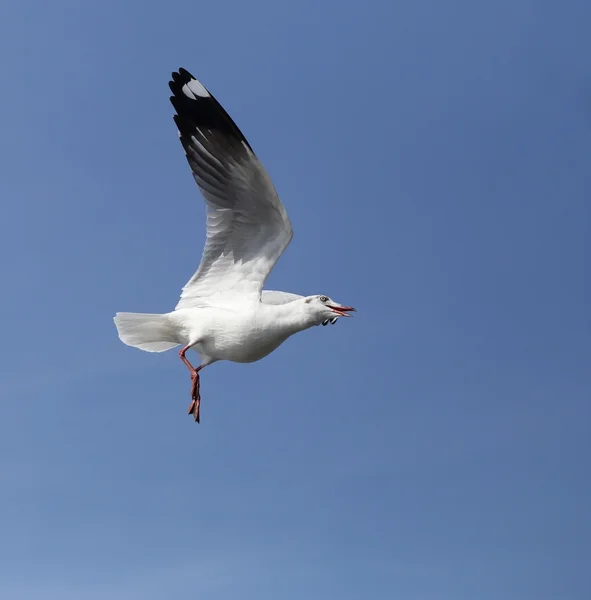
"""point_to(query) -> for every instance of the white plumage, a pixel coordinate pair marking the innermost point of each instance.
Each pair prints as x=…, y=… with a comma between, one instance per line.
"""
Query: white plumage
x=223, y=312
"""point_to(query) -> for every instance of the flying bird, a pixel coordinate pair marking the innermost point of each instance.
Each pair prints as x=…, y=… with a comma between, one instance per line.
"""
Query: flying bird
x=223, y=312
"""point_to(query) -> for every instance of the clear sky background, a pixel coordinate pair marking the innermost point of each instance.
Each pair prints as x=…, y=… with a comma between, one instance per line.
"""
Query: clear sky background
x=434, y=158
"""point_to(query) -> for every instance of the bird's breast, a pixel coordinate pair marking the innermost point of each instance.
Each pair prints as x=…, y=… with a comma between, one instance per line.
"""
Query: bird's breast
x=243, y=338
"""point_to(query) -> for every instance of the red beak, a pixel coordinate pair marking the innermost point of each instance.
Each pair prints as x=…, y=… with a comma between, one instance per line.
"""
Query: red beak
x=342, y=310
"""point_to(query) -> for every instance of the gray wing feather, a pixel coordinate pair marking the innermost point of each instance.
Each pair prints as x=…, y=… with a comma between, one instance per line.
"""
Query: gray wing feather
x=274, y=297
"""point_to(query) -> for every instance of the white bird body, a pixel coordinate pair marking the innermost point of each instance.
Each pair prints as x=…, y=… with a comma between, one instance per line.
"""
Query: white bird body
x=242, y=333
x=224, y=313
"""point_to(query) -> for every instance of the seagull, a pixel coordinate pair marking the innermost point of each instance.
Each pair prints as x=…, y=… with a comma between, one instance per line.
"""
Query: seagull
x=223, y=312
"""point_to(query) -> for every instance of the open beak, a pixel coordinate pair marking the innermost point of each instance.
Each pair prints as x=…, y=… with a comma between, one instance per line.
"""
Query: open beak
x=342, y=310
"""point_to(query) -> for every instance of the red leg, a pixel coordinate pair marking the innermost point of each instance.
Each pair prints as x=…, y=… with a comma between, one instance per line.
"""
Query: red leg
x=195, y=395
x=186, y=360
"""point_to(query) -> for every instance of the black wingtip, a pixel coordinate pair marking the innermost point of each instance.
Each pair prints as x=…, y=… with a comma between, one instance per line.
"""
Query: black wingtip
x=185, y=73
x=182, y=76
x=196, y=107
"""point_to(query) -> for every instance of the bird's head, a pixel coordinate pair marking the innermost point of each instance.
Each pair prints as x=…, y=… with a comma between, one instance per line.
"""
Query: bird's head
x=325, y=310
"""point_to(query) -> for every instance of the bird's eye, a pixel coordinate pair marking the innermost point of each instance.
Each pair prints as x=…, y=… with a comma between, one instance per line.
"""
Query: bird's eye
x=323, y=299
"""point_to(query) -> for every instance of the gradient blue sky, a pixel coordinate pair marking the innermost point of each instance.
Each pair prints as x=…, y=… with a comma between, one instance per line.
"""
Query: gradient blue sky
x=435, y=161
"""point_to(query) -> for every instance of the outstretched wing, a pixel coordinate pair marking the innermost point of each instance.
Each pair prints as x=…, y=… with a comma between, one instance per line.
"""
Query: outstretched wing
x=247, y=226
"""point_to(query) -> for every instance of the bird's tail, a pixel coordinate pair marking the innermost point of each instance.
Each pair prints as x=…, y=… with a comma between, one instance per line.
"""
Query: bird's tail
x=152, y=333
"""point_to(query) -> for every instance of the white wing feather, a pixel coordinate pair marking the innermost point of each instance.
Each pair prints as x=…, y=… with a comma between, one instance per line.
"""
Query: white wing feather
x=247, y=226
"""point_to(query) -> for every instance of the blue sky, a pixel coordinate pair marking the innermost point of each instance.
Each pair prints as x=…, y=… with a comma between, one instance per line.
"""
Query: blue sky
x=434, y=160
